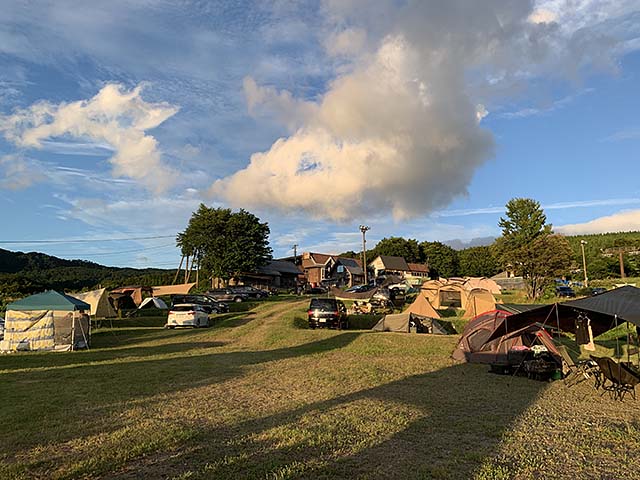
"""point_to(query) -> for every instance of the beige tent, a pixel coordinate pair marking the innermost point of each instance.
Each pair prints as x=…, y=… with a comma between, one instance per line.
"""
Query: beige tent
x=409, y=322
x=484, y=283
x=422, y=307
x=181, y=289
x=430, y=290
x=99, y=301
x=479, y=301
x=451, y=296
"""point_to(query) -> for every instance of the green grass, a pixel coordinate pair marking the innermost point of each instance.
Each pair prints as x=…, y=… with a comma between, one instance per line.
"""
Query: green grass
x=260, y=396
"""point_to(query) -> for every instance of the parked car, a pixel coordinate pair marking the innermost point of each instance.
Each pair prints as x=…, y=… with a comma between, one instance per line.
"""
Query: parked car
x=187, y=315
x=250, y=291
x=327, y=312
x=598, y=290
x=564, y=291
x=314, y=290
x=211, y=304
x=227, y=295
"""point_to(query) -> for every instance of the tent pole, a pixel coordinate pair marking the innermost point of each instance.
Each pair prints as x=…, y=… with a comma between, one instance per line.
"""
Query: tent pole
x=617, y=339
x=86, y=342
x=628, y=340
x=186, y=270
x=73, y=330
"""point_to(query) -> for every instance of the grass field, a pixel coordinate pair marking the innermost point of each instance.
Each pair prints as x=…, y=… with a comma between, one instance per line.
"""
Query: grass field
x=257, y=396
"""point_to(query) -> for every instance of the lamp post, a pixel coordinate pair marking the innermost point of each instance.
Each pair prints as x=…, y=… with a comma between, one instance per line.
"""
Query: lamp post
x=584, y=263
x=364, y=229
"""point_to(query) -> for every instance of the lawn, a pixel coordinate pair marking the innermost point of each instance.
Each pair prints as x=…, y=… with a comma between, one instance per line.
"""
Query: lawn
x=257, y=396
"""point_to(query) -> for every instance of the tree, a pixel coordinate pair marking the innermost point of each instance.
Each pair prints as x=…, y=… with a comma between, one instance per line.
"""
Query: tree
x=528, y=247
x=225, y=244
x=477, y=262
x=550, y=257
x=441, y=258
x=399, y=247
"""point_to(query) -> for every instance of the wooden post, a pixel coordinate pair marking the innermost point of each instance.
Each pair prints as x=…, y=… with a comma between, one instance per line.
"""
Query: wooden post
x=186, y=270
x=622, y=274
x=175, y=279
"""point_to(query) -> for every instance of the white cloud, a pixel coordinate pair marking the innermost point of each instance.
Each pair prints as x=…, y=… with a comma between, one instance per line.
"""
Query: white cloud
x=114, y=116
x=396, y=135
x=18, y=172
x=622, y=135
x=625, y=221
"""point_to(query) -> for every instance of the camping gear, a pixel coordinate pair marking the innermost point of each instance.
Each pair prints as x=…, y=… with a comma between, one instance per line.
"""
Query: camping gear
x=47, y=321
x=478, y=344
x=623, y=379
x=99, y=302
x=409, y=323
x=573, y=372
x=136, y=293
x=153, y=302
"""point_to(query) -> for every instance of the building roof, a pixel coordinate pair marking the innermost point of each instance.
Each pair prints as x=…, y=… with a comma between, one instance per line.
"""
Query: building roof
x=49, y=300
x=393, y=263
x=418, y=267
x=278, y=267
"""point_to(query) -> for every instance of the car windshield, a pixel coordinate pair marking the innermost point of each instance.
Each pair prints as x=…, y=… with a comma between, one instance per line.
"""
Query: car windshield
x=323, y=304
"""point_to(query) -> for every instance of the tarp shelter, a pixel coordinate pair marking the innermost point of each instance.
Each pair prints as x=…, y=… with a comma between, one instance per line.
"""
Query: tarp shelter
x=479, y=301
x=405, y=322
x=342, y=295
x=99, y=301
x=605, y=311
x=180, y=289
x=47, y=321
x=136, y=293
x=477, y=346
x=153, y=302
x=422, y=307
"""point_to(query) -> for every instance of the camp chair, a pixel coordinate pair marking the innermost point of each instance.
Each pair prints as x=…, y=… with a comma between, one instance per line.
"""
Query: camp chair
x=622, y=379
x=575, y=373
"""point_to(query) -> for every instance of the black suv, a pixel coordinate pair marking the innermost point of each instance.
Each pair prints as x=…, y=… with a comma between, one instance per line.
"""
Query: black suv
x=250, y=292
x=327, y=312
x=564, y=291
x=210, y=304
x=227, y=295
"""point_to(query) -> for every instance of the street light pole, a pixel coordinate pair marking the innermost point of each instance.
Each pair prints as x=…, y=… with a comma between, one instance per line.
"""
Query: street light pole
x=584, y=263
x=364, y=229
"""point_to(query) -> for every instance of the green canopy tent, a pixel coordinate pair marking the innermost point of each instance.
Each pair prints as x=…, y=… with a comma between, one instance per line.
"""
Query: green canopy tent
x=47, y=321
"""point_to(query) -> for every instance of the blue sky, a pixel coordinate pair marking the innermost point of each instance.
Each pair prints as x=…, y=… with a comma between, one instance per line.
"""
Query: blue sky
x=420, y=119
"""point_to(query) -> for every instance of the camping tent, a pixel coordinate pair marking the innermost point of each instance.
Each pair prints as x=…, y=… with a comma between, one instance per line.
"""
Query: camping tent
x=135, y=292
x=479, y=301
x=47, y=321
x=484, y=283
x=476, y=344
x=422, y=307
x=404, y=322
x=153, y=302
x=452, y=295
x=99, y=301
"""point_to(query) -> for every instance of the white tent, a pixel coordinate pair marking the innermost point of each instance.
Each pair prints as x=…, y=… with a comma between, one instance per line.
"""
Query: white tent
x=153, y=302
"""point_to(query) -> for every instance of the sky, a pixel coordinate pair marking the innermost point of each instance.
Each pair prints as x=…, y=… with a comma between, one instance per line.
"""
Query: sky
x=418, y=118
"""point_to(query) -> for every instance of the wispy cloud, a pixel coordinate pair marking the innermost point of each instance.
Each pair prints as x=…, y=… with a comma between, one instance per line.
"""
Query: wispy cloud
x=550, y=206
x=543, y=110
x=114, y=116
x=622, y=135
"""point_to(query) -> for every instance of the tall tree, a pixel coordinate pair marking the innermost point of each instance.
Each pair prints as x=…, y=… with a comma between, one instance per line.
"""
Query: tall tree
x=477, y=262
x=225, y=243
x=528, y=247
x=441, y=258
x=399, y=247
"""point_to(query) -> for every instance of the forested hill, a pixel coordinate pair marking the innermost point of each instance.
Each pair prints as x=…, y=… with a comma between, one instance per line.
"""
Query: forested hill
x=26, y=273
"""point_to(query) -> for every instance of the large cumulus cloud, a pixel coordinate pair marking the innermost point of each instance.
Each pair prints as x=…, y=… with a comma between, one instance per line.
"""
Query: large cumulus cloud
x=399, y=129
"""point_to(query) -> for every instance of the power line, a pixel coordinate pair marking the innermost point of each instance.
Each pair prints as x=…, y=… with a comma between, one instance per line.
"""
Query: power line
x=86, y=240
x=115, y=253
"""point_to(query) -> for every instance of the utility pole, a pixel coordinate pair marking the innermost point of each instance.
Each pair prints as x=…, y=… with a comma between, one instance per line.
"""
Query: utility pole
x=584, y=263
x=620, y=251
x=364, y=229
x=295, y=253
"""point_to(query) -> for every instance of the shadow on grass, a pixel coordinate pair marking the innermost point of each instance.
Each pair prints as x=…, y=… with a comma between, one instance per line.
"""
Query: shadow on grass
x=102, y=381
x=442, y=424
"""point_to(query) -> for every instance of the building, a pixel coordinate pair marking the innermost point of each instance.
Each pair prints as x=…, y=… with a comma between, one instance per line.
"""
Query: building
x=324, y=268
x=389, y=265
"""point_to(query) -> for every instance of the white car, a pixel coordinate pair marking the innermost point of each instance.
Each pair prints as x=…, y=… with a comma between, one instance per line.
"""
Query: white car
x=187, y=315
